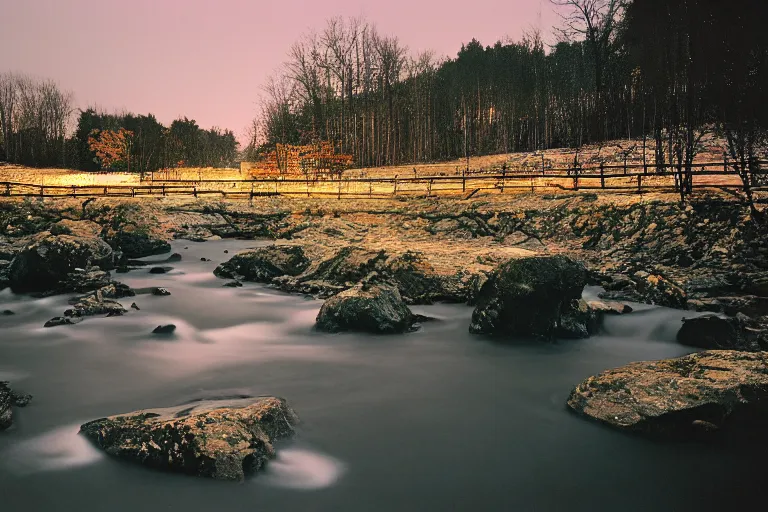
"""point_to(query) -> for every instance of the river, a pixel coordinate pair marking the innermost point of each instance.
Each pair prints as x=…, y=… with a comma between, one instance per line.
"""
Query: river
x=436, y=419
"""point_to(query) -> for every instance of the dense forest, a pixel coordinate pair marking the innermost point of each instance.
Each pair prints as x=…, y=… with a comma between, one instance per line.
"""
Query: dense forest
x=35, y=116
x=668, y=69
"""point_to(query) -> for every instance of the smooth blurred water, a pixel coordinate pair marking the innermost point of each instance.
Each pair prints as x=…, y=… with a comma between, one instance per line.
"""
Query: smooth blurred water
x=432, y=420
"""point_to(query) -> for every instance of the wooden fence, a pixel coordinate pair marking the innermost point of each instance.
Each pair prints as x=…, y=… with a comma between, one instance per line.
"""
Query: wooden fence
x=635, y=178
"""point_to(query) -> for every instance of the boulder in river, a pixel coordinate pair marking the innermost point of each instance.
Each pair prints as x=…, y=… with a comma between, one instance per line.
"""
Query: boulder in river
x=265, y=263
x=221, y=439
x=83, y=280
x=137, y=241
x=160, y=270
x=716, y=332
x=364, y=308
x=578, y=320
x=9, y=399
x=164, y=329
x=48, y=260
x=692, y=396
x=161, y=292
x=92, y=305
x=529, y=296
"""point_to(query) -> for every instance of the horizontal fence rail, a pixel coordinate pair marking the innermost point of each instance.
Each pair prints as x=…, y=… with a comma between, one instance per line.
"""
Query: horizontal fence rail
x=636, y=178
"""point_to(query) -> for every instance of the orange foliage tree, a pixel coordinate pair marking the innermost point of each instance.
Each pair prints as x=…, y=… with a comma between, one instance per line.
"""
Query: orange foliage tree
x=311, y=159
x=111, y=147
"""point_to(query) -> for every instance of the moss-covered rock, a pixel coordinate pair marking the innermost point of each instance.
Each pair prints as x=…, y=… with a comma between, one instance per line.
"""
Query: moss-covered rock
x=691, y=396
x=221, y=439
x=366, y=308
x=530, y=296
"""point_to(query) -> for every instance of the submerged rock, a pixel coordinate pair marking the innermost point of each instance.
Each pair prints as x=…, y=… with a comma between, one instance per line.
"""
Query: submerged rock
x=161, y=292
x=160, y=270
x=222, y=439
x=62, y=320
x=46, y=263
x=164, y=329
x=531, y=296
x=8, y=399
x=264, y=264
x=691, y=396
x=374, y=309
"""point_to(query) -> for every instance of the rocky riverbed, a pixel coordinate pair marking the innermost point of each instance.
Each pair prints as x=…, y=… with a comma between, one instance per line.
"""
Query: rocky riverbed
x=520, y=266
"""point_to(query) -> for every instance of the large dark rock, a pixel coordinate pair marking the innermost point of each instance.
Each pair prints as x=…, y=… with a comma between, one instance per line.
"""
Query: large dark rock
x=419, y=282
x=84, y=280
x=46, y=262
x=692, y=396
x=9, y=399
x=222, y=439
x=530, y=296
x=265, y=263
x=137, y=242
x=716, y=332
x=374, y=309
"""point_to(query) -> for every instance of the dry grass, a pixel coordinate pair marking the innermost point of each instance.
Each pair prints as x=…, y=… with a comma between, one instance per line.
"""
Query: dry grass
x=228, y=183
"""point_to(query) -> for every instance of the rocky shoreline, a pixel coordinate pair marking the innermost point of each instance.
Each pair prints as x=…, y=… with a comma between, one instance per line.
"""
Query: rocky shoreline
x=522, y=262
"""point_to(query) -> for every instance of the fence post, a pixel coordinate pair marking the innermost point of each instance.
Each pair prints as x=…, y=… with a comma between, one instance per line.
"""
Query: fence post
x=163, y=188
x=73, y=191
x=394, y=191
x=194, y=191
x=133, y=192
x=725, y=162
x=602, y=175
x=625, y=165
x=41, y=191
x=429, y=188
x=503, y=179
x=463, y=181
x=645, y=167
x=639, y=184
x=8, y=189
x=370, y=189
x=576, y=179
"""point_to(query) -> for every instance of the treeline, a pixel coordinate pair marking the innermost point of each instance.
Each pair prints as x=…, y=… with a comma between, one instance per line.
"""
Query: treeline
x=146, y=145
x=669, y=69
x=37, y=117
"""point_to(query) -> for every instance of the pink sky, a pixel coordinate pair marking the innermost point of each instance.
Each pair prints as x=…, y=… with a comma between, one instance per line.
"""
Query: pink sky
x=207, y=59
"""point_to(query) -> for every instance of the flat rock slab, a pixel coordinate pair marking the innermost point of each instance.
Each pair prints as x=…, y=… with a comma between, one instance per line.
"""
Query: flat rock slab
x=712, y=392
x=222, y=439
